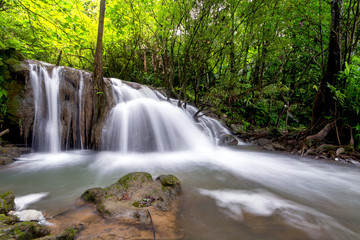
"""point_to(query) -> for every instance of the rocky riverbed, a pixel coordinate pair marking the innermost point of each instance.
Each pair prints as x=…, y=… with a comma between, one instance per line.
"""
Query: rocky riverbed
x=135, y=207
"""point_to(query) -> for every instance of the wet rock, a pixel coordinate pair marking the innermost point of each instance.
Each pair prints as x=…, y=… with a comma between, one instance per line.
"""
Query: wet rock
x=263, y=141
x=24, y=231
x=92, y=195
x=7, y=202
x=132, y=194
x=278, y=146
x=67, y=234
x=5, y=160
x=228, y=140
x=11, y=151
x=170, y=184
x=269, y=147
x=6, y=220
x=76, y=118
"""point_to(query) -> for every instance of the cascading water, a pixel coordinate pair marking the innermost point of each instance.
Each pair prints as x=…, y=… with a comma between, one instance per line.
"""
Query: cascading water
x=239, y=193
x=46, y=128
x=81, y=104
x=140, y=122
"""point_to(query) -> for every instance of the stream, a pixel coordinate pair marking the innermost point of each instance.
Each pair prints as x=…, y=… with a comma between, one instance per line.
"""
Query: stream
x=238, y=193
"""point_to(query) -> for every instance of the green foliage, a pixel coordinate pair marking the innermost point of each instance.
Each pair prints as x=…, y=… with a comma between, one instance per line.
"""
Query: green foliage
x=253, y=62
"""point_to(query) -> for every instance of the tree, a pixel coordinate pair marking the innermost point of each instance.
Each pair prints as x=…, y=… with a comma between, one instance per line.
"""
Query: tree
x=98, y=75
x=325, y=104
x=100, y=104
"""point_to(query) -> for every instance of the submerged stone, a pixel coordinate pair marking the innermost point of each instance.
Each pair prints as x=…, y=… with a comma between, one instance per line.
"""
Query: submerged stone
x=228, y=140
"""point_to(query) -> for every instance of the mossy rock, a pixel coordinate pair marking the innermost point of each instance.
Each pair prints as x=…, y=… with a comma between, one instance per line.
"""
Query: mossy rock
x=126, y=198
x=169, y=180
x=68, y=234
x=92, y=195
x=24, y=231
x=134, y=179
x=8, y=220
x=170, y=184
x=7, y=202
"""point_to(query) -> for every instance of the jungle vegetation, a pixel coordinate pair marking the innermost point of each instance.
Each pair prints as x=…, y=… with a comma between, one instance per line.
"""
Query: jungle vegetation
x=282, y=64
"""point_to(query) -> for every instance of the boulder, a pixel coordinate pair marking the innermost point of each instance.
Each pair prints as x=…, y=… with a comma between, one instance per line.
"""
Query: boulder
x=9, y=153
x=23, y=230
x=269, y=147
x=170, y=184
x=263, y=141
x=7, y=202
x=67, y=234
x=131, y=196
x=278, y=146
x=5, y=160
x=228, y=140
x=7, y=220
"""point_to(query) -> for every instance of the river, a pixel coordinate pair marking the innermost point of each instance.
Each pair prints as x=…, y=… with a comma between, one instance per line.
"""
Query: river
x=238, y=193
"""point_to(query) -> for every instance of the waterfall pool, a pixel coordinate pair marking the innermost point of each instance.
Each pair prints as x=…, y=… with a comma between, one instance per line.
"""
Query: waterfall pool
x=240, y=193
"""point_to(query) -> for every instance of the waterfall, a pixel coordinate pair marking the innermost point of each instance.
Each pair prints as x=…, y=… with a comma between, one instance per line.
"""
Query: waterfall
x=81, y=107
x=143, y=121
x=46, y=130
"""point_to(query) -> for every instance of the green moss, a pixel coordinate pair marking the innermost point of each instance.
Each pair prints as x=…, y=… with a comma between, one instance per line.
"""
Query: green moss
x=92, y=195
x=8, y=219
x=169, y=180
x=127, y=180
x=27, y=230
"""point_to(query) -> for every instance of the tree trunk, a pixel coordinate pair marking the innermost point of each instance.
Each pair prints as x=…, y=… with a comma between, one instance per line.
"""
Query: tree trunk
x=98, y=75
x=145, y=63
x=324, y=103
x=100, y=101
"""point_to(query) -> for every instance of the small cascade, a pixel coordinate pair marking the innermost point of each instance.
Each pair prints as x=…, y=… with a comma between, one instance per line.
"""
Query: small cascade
x=46, y=127
x=81, y=106
x=143, y=121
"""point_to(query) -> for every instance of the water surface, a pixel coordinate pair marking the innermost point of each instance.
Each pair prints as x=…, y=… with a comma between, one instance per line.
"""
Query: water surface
x=227, y=193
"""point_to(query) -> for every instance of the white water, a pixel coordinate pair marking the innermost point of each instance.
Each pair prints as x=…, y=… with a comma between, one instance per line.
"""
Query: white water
x=143, y=122
x=46, y=130
x=23, y=202
x=81, y=104
x=227, y=193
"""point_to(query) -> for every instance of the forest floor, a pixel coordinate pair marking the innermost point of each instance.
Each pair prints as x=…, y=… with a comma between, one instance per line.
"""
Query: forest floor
x=295, y=142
